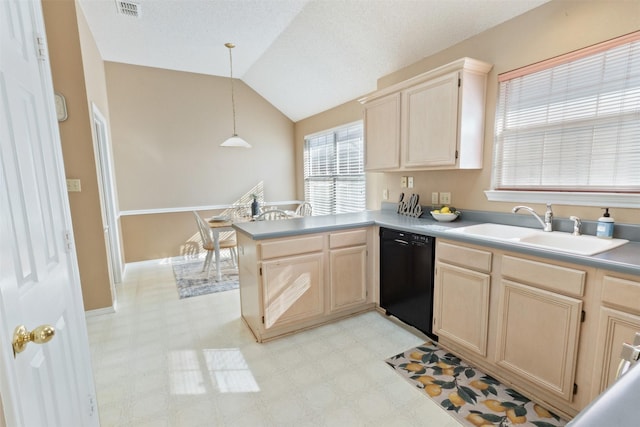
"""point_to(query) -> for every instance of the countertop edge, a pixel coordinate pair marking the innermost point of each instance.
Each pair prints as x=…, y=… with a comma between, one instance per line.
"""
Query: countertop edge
x=624, y=259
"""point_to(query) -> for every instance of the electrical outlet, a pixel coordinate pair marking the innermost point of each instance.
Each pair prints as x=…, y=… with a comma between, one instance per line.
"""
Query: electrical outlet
x=73, y=186
x=434, y=198
x=445, y=198
x=410, y=182
x=403, y=181
x=385, y=194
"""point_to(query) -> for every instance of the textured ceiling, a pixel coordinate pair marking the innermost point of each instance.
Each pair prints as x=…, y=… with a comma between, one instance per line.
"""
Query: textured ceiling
x=303, y=56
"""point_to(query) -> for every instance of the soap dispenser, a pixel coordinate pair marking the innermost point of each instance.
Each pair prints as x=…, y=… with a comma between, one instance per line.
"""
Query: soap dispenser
x=604, y=228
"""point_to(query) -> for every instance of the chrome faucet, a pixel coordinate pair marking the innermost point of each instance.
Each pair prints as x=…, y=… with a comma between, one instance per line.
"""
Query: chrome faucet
x=576, y=225
x=547, y=224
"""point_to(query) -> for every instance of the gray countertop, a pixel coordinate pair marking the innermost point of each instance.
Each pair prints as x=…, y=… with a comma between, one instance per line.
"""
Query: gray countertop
x=624, y=259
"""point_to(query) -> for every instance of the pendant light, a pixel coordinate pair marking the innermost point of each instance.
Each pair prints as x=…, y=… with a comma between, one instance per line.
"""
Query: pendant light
x=234, y=140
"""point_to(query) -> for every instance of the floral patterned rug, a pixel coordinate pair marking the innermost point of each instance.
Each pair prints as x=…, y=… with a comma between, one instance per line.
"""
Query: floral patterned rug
x=471, y=396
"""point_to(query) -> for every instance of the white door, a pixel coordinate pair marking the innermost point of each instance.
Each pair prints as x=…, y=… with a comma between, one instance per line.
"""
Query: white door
x=47, y=384
x=106, y=184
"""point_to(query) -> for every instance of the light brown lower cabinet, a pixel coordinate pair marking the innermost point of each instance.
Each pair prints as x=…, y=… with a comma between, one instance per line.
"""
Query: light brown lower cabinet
x=461, y=296
x=538, y=335
x=348, y=277
x=292, y=289
x=519, y=318
x=294, y=283
x=619, y=320
x=540, y=312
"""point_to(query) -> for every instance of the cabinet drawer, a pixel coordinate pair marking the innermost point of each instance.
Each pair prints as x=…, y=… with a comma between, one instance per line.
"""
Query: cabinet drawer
x=563, y=280
x=622, y=293
x=348, y=238
x=474, y=259
x=289, y=247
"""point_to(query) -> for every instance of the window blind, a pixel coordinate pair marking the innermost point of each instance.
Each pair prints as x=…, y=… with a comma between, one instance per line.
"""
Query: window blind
x=334, y=179
x=573, y=126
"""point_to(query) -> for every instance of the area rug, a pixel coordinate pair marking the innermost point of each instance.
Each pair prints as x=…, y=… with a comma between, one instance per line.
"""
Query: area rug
x=472, y=397
x=191, y=281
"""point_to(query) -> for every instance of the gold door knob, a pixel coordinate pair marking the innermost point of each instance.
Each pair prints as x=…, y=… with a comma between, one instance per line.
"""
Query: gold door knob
x=40, y=335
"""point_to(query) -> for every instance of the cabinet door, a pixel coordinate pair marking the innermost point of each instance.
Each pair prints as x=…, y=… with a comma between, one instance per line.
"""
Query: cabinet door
x=538, y=336
x=615, y=328
x=292, y=289
x=461, y=306
x=430, y=123
x=348, y=277
x=382, y=133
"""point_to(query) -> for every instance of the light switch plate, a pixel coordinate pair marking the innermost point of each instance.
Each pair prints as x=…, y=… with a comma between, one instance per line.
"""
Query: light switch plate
x=434, y=198
x=73, y=186
x=410, y=182
x=403, y=181
x=445, y=198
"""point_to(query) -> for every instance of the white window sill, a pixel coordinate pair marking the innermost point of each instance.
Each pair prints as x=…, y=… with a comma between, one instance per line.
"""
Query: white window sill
x=603, y=200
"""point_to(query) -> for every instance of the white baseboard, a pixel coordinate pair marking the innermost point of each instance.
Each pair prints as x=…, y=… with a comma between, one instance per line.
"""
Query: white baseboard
x=100, y=311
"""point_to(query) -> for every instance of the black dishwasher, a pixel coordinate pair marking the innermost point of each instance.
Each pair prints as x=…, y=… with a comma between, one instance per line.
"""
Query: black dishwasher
x=406, y=277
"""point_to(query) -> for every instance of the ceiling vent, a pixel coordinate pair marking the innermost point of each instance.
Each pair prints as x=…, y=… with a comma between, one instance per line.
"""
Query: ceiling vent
x=128, y=8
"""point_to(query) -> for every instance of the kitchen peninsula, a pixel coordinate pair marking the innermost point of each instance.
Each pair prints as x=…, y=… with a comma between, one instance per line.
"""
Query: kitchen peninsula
x=299, y=273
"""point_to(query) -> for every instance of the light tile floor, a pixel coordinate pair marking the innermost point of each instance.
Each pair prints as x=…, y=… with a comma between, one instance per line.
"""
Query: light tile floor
x=160, y=361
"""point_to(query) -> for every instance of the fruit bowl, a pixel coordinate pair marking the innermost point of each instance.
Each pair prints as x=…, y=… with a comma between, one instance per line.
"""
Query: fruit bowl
x=445, y=217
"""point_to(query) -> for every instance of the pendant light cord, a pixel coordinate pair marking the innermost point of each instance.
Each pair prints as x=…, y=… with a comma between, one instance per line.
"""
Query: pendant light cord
x=233, y=101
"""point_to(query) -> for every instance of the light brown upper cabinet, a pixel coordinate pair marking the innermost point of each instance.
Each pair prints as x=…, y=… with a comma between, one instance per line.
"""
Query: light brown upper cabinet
x=382, y=133
x=432, y=121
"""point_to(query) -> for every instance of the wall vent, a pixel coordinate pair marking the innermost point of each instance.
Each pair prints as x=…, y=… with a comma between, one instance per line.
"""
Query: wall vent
x=128, y=8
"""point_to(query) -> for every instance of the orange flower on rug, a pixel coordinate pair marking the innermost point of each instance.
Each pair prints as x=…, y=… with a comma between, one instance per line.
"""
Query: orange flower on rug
x=471, y=396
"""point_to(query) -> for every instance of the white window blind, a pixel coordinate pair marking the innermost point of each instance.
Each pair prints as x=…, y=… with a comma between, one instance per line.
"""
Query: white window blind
x=573, y=125
x=334, y=179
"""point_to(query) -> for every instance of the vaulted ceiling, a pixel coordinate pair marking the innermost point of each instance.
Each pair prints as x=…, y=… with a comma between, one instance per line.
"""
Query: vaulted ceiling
x=303, y=56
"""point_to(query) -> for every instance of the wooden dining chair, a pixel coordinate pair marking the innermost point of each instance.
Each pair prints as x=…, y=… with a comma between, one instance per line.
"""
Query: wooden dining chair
x=209, y=245
x=272, y=214
x=304, y=209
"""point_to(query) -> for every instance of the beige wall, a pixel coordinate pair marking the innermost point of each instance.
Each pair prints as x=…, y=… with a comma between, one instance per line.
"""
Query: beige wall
x=552, y=29
x=167, y=127
x=77, y=148
x=96, y=86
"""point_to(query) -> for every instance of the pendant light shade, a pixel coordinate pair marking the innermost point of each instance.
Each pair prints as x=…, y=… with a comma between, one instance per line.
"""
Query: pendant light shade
x=234, y=140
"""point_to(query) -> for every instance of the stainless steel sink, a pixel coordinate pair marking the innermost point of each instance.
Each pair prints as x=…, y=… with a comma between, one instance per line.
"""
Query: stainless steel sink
x=555, y=240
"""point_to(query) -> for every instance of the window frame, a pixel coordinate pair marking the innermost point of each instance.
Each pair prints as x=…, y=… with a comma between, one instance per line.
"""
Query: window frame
x=582, y=198
x=336, y=176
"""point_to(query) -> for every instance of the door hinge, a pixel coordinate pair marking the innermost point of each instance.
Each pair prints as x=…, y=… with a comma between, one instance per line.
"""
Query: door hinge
x=575, y=388
x=263, y=320
x=92, y=405
x=261, y=271
x=459, y=82
x=456, y=154
x=41, y=47
x=582, y=316
x=68, y=244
